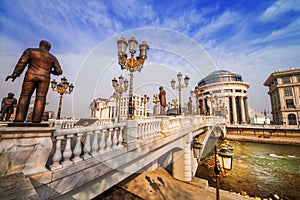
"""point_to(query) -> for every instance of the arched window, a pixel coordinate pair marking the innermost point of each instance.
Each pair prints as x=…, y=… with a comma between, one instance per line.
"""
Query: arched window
x=292, y=119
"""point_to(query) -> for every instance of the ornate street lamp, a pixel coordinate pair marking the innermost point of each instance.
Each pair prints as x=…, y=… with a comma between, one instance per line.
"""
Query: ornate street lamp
x=180, y=86
x=131, y=64
x=64, y=87
x=145, y=100
x=226, y=163
x=156, y=102
x=119, y=88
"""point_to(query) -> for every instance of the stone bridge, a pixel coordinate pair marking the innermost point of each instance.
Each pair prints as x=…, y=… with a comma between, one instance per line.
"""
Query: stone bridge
x=83, y=162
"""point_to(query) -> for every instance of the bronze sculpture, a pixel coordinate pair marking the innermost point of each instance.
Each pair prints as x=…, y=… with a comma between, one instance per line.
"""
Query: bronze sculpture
x=7, y=106
x=162, y=99
x=41, y=64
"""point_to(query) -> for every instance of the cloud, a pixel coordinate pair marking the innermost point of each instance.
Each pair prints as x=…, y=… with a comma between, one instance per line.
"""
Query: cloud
x=289, y=31
x=279, y=8
x=216, y=24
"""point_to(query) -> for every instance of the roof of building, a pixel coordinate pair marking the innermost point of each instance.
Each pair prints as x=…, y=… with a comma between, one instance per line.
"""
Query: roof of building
x=279, y=73
x=220, y=76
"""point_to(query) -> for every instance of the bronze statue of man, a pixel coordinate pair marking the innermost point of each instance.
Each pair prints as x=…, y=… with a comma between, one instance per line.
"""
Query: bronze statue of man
x=7, y=106
x=162, y=99
x=41, y=63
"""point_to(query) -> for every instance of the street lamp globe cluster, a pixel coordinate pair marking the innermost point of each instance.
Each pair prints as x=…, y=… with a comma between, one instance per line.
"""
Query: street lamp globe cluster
x=180, y=86
x=62, y=88
x=131, y=64
x=119, y=87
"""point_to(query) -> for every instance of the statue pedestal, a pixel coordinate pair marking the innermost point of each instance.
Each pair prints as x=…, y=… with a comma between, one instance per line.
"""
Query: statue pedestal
x=24, y=149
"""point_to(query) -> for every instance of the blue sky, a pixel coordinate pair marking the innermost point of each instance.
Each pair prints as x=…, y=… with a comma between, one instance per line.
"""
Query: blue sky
x=249, y=37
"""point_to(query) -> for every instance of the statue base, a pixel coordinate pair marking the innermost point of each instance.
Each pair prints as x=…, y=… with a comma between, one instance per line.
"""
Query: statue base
x=27, y=124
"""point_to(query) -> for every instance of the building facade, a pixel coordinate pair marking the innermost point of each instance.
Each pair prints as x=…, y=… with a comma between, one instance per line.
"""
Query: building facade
x=223, y=93
x=284, y=91
x=109, y=108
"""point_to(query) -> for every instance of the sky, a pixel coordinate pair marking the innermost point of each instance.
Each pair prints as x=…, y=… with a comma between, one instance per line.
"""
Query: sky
x=252, y=38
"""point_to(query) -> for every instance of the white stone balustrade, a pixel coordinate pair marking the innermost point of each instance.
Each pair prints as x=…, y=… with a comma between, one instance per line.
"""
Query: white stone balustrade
x=148, y=128
x=77, y=144
x=63, y=123
x=175, y=122
x=105, y=121
x=214, y=120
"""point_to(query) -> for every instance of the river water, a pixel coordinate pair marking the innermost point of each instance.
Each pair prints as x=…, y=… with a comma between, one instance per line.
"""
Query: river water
x=260, y=170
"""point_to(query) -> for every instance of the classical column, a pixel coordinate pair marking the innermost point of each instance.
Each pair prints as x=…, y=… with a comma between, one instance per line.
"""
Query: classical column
x=234, y=110
x=242, y=104
x=246, y=109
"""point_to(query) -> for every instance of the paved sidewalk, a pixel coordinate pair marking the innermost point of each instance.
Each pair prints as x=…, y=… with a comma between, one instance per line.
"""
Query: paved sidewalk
x=160, y=184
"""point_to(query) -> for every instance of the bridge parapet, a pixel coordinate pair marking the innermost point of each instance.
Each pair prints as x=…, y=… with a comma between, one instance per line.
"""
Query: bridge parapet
x=77, y=144
x=82, y=153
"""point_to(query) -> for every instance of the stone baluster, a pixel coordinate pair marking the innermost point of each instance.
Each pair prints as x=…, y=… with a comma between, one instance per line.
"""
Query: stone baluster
x=151, y=129
x=57, y=156
x=102, y=142
x=67, y=152
x=120, y=138
x=139, y=131
x=115, y=139
x=95, y=144
x=87, y=146
x=77, y=149
x=109, y=141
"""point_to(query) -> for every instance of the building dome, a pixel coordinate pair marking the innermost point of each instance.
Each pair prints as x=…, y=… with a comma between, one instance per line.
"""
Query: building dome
x=220, y=76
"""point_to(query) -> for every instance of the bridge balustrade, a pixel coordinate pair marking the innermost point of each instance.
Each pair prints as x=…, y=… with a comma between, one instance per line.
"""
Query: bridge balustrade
x=77, y=144
x=148, y=128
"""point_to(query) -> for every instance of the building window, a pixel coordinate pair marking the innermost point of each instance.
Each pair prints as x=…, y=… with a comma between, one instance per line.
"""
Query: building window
x=288, y=91
x=290, y=103
x=216, y=91
x=228, y=90
x=238, y=91
x=286, y=79
x=292, y=119
x=298, y=78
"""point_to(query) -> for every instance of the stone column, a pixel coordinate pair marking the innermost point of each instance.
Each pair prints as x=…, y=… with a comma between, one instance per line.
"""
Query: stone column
x=243, y=113
x=296, y=94
x=234, y=110
x=131, y=134
x=246, y=109
x=182, y=161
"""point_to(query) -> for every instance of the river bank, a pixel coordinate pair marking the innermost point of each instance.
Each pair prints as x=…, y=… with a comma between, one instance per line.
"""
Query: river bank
x=266, y=140
x=259, y=170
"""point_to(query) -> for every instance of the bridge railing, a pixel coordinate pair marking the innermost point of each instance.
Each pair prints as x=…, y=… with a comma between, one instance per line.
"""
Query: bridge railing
x=74, y=145
x=148, y=128
x=214, y=120
x=67, y=145
x=63, y=123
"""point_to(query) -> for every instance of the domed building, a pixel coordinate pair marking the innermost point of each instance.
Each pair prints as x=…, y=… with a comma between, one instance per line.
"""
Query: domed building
x=223, y=93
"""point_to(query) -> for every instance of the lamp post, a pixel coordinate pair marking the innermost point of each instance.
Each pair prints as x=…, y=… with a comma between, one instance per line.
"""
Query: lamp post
x=155, y=101
x=145, y=100
x=225, y=153
x=64, y=87
x=119, y=88
x=131, y=64
x=226, y=163
x=180, y=86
